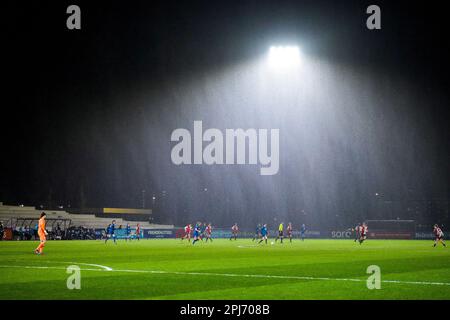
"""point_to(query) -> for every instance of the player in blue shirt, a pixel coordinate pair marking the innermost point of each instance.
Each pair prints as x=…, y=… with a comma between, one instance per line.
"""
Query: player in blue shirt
x=302, y=232
x=128, y=232
x=264, y=233
x=110, y=231
x=197, y=232
x=257, y=232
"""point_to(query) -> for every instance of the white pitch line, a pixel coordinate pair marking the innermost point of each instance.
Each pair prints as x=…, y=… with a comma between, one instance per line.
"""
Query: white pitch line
x=234, y=275
x=84, y=264
x=46, y=267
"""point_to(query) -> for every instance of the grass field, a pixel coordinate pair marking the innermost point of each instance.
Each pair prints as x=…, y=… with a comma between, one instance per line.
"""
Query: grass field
x=172, y=269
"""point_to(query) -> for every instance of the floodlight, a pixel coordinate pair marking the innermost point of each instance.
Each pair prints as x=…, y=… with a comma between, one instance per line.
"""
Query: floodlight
x=284, y=57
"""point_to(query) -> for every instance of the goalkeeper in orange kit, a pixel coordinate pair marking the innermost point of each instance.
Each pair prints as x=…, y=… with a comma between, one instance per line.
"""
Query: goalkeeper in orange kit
x=42, y=234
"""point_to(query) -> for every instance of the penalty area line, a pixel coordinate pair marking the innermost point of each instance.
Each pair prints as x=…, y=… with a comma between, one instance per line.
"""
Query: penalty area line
x=232, y=275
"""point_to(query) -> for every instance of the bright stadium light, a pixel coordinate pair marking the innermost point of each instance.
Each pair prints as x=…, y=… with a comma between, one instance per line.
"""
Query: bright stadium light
x=284, y=57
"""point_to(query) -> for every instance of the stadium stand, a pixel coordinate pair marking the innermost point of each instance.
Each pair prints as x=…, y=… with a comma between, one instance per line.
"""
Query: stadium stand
x=11, y=215
x=129, y=214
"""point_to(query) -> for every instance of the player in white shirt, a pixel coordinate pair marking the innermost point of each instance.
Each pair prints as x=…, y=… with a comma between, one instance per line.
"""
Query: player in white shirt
x=439, y=236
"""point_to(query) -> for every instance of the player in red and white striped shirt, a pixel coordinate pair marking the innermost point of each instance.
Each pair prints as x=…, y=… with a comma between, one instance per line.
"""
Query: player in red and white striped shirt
x=362, y=233
x=138, y=231
x=289, y=231
x=439, y=236
x=187, y=233
x=208, y=232
x=234, y=231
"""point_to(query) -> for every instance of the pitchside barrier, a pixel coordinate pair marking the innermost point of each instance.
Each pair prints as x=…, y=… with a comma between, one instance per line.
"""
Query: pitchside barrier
x=391, y=229
x=221, y=233
x=429, y=235
x=310, y=234
x=159, y=233
x=224, y=234
x=396, y=230
x=120, y=233
x=7, y=234
x=325, y=234
x=376, y=234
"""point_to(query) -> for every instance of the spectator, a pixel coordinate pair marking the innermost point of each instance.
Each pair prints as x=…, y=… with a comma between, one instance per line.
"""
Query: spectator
x=27, y=233
x=79, y=233
x=35, y=231
x=2, y=231
x=17, y=234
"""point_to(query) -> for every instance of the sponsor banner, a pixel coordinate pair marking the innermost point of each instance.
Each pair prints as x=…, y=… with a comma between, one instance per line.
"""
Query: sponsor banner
x=216, y=233
x=312, y=234
x=424, y=235
x=119, y=233
x=7, y=234
x=159, y=233
x=225, y=233
x=428, y=235
x=274, y=234
x=126, y=211
x=390, y=235
x=308, y=234
x=343, y=234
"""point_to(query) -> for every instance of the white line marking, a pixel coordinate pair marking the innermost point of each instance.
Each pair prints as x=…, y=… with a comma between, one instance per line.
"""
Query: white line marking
x=85, y=264
x=46, y=267
x=235, y=275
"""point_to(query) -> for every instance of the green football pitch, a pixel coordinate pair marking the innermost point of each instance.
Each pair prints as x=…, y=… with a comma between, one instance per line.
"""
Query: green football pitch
x=224, y=269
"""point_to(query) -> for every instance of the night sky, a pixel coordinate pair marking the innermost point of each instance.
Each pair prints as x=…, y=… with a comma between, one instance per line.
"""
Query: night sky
x=88, y=113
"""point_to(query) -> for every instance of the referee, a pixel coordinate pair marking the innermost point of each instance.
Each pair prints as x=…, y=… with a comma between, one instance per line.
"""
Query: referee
x=280, y=233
